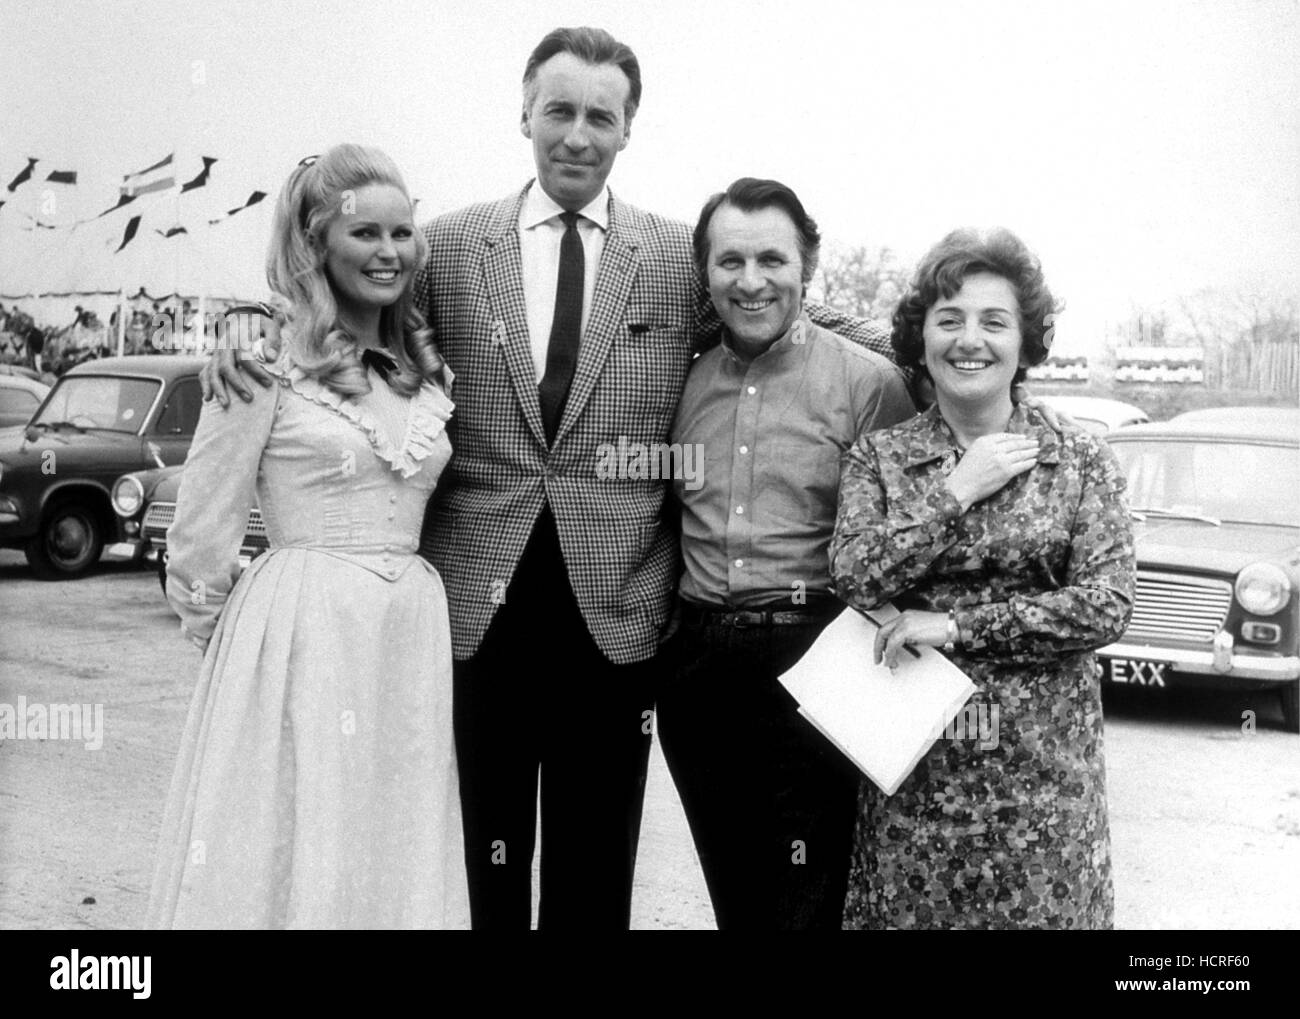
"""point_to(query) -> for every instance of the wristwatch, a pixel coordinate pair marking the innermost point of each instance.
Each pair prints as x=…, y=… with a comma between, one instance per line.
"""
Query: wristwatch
x=954, y=634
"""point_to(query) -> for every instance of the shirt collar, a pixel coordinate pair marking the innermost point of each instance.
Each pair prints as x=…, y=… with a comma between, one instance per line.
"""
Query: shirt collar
x=539, y=207
x=932, y=439
x=794, y=337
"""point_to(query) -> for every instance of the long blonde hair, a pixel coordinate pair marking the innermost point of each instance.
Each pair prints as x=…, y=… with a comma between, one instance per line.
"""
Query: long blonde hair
x=310, y=200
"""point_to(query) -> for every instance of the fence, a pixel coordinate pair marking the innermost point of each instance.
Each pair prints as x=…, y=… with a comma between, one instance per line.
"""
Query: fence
x=1264, y=366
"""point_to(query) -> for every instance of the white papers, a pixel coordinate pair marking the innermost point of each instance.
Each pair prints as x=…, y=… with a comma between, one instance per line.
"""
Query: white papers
x=883, y=721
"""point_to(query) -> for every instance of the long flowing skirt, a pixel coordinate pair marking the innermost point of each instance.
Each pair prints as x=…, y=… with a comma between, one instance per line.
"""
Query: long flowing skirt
x=316, y=783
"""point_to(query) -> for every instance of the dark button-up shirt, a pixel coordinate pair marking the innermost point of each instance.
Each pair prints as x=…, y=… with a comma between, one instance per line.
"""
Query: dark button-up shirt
x=757, y=522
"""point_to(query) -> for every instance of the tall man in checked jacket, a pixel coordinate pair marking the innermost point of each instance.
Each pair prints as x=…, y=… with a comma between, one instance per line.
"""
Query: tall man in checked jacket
x=559, y=583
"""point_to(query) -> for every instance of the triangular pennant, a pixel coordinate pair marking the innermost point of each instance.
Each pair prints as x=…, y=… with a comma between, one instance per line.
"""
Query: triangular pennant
x=63, y=177
x=202, y=178
x=24, y=175
x=165, y=161
x=123, y=200
x=253, y=199
x=172, y=232
x=131, y=228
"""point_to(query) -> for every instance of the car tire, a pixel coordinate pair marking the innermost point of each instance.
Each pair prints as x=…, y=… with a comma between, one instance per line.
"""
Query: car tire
x=68, y=543
x=162, y=571
x=1290, y=694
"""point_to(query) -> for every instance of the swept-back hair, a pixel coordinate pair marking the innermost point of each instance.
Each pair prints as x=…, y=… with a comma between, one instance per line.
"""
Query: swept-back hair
x=752, y=194
x=315, y=194
x=593, y=45
x=944, y=269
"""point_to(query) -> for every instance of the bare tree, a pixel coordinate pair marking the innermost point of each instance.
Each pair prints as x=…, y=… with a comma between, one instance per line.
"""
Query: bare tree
x=860, y=280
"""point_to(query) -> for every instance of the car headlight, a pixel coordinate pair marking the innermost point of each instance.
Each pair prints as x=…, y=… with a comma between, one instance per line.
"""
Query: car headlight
x=128, y=496
x=1262, y=588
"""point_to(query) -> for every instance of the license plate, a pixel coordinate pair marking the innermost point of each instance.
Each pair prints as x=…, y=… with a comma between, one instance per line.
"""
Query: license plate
x=1135, y=672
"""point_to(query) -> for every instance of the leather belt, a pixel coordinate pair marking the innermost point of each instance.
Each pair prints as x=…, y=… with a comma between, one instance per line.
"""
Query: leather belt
x=697, y=614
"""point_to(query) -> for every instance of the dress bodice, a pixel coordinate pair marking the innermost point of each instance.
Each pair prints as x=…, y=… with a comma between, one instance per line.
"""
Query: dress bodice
x=352, y=476
x=347, y=477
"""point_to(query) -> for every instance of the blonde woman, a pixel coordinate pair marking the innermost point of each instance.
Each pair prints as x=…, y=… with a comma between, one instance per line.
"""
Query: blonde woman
x=316, y=784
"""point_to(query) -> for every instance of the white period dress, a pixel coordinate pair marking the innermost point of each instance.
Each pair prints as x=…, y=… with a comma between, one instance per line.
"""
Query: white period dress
x=316, y=785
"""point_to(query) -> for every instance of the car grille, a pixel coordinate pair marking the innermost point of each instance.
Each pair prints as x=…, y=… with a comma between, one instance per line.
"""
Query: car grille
x=1176, y=607
x=159, y=516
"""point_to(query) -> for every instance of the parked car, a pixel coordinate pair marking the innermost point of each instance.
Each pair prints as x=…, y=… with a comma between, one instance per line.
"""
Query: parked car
x=101, y=419
x=1097, y=414
x=145, y=503
x=1218, y=549
x=20, y=396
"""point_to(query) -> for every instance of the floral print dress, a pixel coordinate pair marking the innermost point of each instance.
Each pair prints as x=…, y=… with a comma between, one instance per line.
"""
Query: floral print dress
x=1005, y=826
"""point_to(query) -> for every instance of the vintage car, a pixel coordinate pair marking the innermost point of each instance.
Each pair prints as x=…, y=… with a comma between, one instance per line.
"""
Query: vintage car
x=1096, y=413
x=20, y=396
x=1213, y=494
x=101, y=419
x=145, y=502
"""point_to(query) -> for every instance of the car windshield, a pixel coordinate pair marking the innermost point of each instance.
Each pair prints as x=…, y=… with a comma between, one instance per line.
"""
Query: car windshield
x=100, y=401
x=1228, y=480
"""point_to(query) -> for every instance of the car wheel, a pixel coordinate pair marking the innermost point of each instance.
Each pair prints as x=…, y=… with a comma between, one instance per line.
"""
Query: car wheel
x=162, y=571
x=1290, y=694
x=68, y=543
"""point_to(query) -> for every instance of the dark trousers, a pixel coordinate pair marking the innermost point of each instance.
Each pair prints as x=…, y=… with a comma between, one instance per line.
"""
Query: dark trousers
x=771, y=804
x=540, y=697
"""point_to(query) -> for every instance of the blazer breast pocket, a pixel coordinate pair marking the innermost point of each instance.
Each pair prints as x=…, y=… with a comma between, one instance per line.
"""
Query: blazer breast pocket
x=647, y=369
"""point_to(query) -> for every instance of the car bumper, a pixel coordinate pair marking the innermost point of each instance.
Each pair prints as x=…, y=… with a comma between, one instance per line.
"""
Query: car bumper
x=1209, y=663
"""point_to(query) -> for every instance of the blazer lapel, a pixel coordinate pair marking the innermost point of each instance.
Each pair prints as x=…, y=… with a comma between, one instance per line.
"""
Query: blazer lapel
x=503, y=271
x=619, y=262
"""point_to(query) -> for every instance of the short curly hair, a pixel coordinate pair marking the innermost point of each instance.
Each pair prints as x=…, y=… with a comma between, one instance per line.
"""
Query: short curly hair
x=944, y=269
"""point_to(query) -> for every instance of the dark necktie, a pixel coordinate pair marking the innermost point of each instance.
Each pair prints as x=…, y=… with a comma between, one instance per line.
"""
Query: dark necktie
x=379, y=361
x=566, y=328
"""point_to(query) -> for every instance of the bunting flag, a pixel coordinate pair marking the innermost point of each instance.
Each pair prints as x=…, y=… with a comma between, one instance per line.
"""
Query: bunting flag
x=253, y=199
x=131, y=228
x=63, y=177
x=37, y=223
x=172, y=232
x=24, y=174
x=202, y=178
x=158, y=177
x=123, y=200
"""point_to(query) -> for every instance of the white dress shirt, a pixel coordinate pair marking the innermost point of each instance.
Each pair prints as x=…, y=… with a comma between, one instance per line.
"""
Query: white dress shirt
x=540, y=232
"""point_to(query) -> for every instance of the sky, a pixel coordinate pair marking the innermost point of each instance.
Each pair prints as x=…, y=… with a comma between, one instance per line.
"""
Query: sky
x=1143, y=149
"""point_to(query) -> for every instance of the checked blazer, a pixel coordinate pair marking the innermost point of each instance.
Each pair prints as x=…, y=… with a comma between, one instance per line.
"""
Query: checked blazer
x=632, y=363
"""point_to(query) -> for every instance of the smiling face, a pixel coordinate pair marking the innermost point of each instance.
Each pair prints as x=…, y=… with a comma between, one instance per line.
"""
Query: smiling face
x=755, y=274
x=371, y=250
x=577, y=125
x=972, y=341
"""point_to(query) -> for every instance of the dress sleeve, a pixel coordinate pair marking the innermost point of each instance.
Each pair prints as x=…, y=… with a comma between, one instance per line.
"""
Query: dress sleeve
x=1093, y=606
x=881, y=547
x=217, y=489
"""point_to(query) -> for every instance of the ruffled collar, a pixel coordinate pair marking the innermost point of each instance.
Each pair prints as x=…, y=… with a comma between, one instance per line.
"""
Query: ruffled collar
x=430, y=411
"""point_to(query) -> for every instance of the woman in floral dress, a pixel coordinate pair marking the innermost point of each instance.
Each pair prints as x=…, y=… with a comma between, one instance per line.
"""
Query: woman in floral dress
x=1008, y=545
